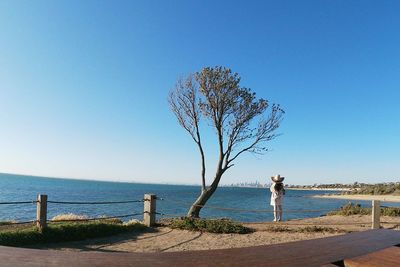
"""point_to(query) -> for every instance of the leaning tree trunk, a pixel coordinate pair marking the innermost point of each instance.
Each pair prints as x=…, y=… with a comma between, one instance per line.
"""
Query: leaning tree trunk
x=205, y=195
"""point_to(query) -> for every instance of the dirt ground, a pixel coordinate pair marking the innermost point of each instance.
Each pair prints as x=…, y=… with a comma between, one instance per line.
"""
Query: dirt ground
x=163, y=238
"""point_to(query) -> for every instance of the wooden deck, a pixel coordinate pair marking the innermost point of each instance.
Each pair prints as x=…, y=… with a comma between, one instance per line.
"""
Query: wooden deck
x=317, y=252
x=385, y=257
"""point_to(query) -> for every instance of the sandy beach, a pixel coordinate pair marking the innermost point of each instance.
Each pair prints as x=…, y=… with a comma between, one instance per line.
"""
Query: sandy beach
x=384, y=198
x=162, y=239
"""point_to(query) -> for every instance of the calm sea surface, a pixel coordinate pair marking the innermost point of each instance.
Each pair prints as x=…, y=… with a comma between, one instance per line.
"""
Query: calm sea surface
x=177, y=199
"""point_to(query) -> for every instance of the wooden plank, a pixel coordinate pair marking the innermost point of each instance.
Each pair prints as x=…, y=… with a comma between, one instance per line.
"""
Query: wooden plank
x=315, y=252
x=387, y=257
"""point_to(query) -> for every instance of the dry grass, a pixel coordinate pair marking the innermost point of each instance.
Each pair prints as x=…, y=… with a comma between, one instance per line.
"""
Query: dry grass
x=131, y=222
x=69, y=216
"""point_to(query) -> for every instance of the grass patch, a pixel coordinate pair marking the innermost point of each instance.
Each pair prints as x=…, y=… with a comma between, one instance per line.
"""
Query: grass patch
x=306, y=229
x=351, y=209
x=356, y=209
x=65, y=231
x=318, y=229
x=221, y=226
x=376, y=189
x=279, y=229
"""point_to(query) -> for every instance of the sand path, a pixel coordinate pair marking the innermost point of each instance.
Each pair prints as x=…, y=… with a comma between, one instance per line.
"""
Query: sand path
x=165, y=239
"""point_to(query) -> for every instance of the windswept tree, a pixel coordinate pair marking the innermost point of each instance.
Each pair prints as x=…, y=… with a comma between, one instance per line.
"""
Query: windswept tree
x=242, y=123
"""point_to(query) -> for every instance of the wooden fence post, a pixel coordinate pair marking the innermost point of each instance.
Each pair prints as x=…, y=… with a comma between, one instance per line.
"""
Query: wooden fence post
x=376, y=214
x=41, y=212
x=149, y=215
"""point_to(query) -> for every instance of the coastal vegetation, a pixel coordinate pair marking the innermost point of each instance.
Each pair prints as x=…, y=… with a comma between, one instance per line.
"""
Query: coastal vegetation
x=66, y=231
x=322, y=186
x=306, y=229
x=225, y=226
x=391, y=188
x=69, y=216
x=357, y=209
x=214, y=96
x=376, y=189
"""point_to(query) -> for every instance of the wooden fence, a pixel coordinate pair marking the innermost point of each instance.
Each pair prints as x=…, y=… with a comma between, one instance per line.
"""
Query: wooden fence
x=149, y=209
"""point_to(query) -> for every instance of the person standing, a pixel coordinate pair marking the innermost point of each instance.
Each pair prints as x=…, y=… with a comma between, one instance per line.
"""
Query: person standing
x=277, y=193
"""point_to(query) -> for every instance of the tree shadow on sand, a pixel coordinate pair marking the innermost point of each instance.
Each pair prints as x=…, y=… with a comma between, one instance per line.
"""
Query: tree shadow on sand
x=183, y=242
x=99, y=244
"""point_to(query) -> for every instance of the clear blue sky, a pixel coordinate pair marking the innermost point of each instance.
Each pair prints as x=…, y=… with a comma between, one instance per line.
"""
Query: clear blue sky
x=83, y=86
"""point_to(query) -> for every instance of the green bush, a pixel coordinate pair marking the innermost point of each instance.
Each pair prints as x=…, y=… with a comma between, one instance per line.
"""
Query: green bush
x=390, y=211
x=376, y=189
x=351, y=209
x=64, y=231
x=356, y=209
x=212, y=226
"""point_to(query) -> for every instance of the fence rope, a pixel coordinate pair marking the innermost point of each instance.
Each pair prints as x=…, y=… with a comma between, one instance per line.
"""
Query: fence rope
x=17, y=223
x=94, y=203
x=18, y=202
x=244, y=210
x=258, y=211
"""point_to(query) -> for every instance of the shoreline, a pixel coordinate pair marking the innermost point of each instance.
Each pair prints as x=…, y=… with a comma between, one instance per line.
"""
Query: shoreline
x=383, y=198
x=318, y=189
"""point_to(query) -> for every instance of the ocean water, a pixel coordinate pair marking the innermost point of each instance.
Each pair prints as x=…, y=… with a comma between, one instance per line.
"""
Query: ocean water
x=176, y=199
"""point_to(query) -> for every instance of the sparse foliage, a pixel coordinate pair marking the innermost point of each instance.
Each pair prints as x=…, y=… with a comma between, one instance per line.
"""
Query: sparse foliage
x=235, y=113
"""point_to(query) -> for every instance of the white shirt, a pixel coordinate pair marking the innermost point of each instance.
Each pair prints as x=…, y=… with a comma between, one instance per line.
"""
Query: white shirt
x=276, y=196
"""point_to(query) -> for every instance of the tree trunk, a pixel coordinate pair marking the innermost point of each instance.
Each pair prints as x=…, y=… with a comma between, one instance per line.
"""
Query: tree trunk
x=205, y=195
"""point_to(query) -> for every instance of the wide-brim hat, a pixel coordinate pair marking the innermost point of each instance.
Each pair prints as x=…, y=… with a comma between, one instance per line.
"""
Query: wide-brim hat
x=277, y=178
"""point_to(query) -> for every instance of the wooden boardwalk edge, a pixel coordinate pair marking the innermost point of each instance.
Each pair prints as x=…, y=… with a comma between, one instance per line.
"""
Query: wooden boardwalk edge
x=314, y=252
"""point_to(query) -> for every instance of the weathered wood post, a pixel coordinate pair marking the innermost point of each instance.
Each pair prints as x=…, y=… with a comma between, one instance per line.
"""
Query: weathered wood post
x=149, y=215
x=41, y=212
x=376, y=214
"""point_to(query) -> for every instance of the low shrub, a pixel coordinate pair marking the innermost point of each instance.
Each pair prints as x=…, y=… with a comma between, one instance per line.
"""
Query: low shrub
x=351, y=209
x=224, y=226
x=356, y=209
x=376, y=189
x=318, y=229
x=390, y=211
x=65, y=231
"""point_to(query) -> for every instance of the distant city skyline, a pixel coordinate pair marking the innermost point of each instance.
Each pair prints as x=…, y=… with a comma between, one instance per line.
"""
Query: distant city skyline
x=84, y=85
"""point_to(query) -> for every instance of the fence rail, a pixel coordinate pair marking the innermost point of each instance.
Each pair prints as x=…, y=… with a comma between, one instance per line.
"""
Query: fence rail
x=18, y=202
x=187, y=204
x=93, y=203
